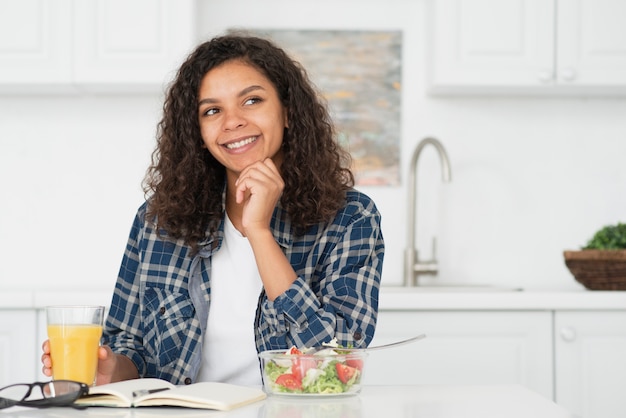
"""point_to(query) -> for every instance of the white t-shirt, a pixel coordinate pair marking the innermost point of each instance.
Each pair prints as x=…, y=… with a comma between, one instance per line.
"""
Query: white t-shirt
x=229, y=350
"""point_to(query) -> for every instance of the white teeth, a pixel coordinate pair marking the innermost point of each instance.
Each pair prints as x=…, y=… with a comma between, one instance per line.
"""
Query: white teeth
x=241, y=143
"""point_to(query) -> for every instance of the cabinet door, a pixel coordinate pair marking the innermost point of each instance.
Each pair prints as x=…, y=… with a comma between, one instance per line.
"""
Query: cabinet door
x=35, y=44
x=591, y=363
x=491, y=44
x=464, y=348
x=18, y=347
x=591, y=42
x=134, y=45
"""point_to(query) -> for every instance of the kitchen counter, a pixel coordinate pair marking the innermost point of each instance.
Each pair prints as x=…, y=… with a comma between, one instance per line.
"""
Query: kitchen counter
x=391, y=298
x=433, y=401
x=39, y=299
x=400, y=298
x=535, y=338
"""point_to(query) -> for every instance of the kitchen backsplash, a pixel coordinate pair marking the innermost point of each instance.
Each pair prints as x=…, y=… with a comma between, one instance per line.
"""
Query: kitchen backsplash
x=531, y=176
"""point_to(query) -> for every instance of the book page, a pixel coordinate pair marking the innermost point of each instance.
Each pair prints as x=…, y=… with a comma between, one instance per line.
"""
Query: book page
x=206, y=395
x=120, y=394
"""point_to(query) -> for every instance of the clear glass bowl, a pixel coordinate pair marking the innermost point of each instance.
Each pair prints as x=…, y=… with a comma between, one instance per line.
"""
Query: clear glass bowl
x=329, y=372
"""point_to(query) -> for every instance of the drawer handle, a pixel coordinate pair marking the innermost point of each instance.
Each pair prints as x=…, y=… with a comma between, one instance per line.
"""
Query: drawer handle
x=568, y=334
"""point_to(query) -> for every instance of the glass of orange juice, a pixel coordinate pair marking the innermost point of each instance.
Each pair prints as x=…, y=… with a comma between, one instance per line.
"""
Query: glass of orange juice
x=74, y=333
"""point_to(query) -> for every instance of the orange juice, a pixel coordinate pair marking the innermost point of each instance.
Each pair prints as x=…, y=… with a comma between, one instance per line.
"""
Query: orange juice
x=74, y=351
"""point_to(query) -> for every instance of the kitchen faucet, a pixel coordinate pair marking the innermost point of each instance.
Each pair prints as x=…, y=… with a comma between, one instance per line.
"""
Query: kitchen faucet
x=412, y=265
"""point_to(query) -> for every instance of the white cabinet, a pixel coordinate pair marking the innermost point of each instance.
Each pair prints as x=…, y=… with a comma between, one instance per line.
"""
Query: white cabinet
x=93, y=45
x=35, y=44
x=465, y=348
x=18, y=346
x=528, y=46
x=591, y=363
x=591, y=43
x=131, y=43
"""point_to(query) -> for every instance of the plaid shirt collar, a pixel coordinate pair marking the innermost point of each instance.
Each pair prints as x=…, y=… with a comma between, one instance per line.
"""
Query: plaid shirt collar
x=281, y=227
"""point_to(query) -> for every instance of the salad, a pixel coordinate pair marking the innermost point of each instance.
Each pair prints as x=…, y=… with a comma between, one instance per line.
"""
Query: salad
x=328, y=371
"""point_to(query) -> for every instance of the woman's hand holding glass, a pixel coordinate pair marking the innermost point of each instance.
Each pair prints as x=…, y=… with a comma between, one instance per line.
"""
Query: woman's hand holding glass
x=108, y=364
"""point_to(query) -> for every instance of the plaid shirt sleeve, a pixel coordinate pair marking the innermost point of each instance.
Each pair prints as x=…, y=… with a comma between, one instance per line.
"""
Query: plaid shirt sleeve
x=339, y=270
x=123, y=326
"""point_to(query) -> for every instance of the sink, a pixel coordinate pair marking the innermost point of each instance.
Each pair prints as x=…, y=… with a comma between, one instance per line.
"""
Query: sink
x=451, y=287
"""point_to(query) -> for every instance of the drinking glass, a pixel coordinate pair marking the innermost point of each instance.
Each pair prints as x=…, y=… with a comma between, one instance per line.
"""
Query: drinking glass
x=74, y=333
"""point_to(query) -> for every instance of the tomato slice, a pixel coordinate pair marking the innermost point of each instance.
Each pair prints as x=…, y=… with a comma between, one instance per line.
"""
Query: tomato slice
x=290, y=381
x=356, y=363
x=294, y=351
x=345, y=372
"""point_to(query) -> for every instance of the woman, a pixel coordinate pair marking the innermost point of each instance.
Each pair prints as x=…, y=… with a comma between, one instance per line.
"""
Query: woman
x=252, y=237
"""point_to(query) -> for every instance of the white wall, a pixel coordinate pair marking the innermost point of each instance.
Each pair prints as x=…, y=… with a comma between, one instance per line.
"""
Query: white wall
x=70, y=174
x=531, y=176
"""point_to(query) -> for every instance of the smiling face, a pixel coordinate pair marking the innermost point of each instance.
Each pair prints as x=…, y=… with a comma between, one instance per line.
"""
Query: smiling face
x=241, y=117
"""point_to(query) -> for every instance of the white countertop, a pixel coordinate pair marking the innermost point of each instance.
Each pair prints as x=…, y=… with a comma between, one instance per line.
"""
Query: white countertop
x=399, y=298
x=39, y=299
x=433, y=401
x=391, y=298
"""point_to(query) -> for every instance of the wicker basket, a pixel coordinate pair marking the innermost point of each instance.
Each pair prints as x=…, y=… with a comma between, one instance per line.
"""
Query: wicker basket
x=598, y=269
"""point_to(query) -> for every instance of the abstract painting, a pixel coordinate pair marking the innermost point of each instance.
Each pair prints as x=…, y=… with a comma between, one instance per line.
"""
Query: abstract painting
x=359, y=73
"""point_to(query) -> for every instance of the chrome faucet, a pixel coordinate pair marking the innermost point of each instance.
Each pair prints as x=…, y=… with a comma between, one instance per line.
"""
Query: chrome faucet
x=412, y=265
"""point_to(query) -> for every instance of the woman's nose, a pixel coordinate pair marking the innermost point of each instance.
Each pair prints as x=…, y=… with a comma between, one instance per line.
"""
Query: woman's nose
x=234, y=120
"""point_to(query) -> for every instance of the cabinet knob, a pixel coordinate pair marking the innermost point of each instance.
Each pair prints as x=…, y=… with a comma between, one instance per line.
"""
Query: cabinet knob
x=545, y=76
x=568, y=334
x=568, y=74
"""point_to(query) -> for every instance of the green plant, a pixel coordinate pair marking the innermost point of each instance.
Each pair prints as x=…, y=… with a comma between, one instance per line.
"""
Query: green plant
x=610, y=237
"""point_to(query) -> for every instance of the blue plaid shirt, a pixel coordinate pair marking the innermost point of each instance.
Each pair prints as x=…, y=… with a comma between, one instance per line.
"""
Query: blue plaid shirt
x=162, y=296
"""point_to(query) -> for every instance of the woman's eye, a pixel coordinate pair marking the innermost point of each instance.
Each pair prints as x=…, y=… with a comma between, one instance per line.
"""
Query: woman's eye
x=211, y=111
x=252, y=100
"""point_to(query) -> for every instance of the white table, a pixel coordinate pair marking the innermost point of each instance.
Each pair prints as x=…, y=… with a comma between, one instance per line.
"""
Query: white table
x=428, y=401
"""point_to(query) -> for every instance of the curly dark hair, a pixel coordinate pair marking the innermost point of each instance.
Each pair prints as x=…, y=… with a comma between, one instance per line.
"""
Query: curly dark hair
x=185, y=182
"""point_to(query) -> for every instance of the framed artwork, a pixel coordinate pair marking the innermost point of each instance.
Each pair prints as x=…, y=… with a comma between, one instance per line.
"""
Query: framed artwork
x=359, y=73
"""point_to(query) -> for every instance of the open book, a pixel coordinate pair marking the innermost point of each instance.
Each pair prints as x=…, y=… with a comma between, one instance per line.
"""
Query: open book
x=157, y=392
